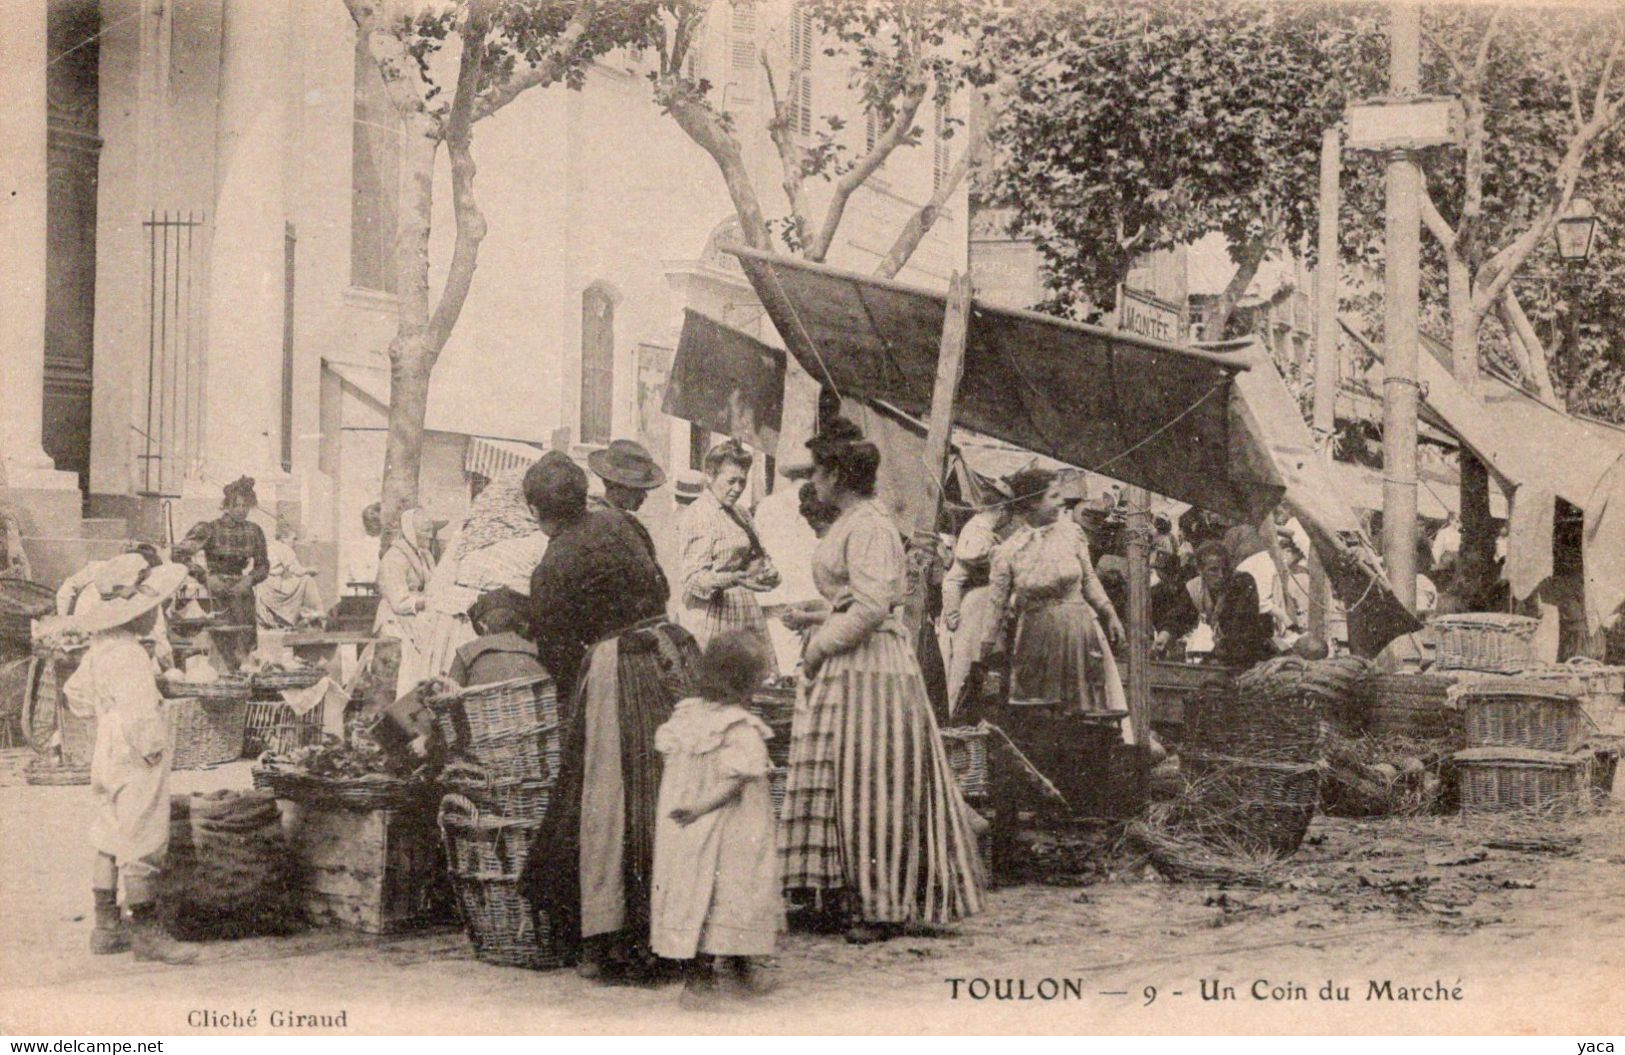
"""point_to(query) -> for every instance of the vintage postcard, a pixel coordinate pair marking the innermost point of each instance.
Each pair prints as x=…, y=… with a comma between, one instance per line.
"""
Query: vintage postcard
x=572, y=517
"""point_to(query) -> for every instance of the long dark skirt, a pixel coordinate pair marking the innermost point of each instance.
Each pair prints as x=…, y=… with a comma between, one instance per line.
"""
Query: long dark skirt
x=655, y=671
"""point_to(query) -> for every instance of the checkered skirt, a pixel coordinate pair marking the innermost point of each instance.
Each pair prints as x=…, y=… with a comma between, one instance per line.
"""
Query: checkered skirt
x=736, y=609
x=871, y=806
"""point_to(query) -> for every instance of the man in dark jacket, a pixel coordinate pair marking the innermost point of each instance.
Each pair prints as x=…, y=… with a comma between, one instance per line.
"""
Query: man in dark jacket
x=1227, y=601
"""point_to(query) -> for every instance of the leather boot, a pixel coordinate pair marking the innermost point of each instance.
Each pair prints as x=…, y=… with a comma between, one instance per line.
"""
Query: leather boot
x=150, y=942
x=108, y=937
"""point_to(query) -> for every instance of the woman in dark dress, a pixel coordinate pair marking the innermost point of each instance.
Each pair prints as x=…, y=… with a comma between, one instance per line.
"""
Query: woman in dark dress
x=236, y=561
x=598, y=618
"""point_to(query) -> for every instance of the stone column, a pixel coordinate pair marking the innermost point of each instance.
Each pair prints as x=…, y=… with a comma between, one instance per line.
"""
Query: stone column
x=244, y=362
x=47, y=501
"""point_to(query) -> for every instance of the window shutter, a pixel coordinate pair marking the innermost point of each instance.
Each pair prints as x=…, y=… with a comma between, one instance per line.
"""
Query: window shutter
x=742, y=51
x=801, y=50
x=871, y=131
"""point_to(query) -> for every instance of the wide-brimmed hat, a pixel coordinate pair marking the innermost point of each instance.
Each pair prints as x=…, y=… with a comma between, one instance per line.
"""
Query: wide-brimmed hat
x=625, y=462
x=690, y=485
x=125, y=588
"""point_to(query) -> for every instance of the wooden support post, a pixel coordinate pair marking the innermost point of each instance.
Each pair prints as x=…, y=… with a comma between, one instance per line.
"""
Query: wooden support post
x=1139, y=614
x=938, y=438
x=1327, y=281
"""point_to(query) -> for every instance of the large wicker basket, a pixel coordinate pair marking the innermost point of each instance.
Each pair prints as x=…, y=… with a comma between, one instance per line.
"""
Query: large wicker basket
x=511, y=729
x=1248, y=725
x=275, y=682
x=1262, y=805
x=1486, y=641
x=1599, y=688
x=966, y=748
x=206, y=733
x=274, y=726
x=1514, y=712
x=485, y=855
x=1498, y=780
x=524, y=799
x=1410, y=705
x=375, y=791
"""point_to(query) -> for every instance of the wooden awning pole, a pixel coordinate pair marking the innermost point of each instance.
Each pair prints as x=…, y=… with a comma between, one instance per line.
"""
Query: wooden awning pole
x=938, y=435
x=1139, y=614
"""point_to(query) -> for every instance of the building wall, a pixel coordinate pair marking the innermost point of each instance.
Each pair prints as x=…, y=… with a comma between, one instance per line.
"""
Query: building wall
x=240, y=113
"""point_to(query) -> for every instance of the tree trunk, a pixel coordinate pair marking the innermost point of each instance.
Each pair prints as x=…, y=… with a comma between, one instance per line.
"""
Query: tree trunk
x=706, y=130
x=411, y=358
x=1246, y=270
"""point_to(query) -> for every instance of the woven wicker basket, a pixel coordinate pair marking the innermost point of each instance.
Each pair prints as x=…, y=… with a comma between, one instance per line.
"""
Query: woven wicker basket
x=1265, y=805
x=375, y=792
x=966, y=748
x=230, y=687
x=206, y=734
x=1513, y=712
x=492, y=712
x=275, y=727
x=485, y=855
x=1486, y=641
x=1412, y=705
x=1497, y=780
x=276, y=682
x=42, y=773
x=527, y=799
x=1246, y=725
x=1600, y=690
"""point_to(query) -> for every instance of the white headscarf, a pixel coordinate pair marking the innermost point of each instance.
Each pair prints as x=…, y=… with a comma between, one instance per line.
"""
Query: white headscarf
x=406, y=540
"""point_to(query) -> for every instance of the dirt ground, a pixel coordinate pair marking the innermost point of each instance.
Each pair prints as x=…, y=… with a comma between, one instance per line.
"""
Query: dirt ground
x=1503, y=940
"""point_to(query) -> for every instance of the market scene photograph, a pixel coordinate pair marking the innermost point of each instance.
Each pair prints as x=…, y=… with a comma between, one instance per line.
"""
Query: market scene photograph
x=806, y=517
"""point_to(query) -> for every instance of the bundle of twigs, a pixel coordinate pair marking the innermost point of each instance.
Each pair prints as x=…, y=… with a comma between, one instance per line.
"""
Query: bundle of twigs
x=1186, y=842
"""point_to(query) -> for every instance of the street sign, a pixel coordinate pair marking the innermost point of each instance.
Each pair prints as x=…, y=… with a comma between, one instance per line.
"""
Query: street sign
x=1409, y=123
x=1146, y=316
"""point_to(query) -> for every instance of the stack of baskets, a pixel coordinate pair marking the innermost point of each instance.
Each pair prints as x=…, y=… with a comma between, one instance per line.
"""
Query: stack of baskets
x=273, y=725
x=1484, y=641
x=1599, y=688
x=1523, y=751
x=506, y=743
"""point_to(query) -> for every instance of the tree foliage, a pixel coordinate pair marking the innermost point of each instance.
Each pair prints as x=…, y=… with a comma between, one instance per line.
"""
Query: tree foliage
x=901, y=53
x=445, y=68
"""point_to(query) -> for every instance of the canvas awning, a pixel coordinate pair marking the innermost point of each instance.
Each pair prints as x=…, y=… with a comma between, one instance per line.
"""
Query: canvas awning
x=1074, y=392
x=1214, y=428
x=487, y=457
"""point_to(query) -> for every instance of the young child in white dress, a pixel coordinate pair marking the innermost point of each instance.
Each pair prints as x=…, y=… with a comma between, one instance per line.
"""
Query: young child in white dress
x=716, y=897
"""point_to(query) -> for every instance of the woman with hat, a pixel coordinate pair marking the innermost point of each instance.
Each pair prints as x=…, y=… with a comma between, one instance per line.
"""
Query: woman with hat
x=724, y=565
x=597, y=608
x=236, y=561
x=1044, y=580
x=872, y=816
x=129, y=768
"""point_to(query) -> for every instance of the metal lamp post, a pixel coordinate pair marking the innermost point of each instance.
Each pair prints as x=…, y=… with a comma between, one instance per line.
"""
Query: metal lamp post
x=1575, y=231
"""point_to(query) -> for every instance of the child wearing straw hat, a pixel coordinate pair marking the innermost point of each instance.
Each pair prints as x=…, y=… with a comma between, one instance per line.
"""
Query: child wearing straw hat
x=129, y=769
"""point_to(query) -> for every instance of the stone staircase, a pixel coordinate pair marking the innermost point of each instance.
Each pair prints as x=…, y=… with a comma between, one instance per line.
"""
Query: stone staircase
x=71, y=546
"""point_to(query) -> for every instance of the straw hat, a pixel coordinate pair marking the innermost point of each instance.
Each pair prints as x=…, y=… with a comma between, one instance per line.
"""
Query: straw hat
x=626, y=463
x=125, y=589
x=690, y=484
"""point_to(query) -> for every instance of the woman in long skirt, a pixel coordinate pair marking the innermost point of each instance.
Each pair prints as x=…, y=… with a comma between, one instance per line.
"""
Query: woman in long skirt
x=724, y=566
x=597, y=615
x=1043, y=577
x=872, y=815
x=967, y=600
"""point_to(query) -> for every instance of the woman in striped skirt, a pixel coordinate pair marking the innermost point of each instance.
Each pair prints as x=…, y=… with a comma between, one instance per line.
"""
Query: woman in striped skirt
x=724, y=566
x=871, y=808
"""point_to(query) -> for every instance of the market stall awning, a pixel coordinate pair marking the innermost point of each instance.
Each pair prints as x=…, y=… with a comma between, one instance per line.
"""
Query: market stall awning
x=1214, y=428
x=487, y=457
x=727, y=382
x=1077, y=393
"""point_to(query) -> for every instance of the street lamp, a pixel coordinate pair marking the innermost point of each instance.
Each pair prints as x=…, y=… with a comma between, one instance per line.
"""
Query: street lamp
x=1575, y=230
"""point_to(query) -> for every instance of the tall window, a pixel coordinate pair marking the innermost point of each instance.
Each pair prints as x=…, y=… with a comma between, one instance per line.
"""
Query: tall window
x=375, y=174
x=597, y=365
x=939, y=149
x=801, y=51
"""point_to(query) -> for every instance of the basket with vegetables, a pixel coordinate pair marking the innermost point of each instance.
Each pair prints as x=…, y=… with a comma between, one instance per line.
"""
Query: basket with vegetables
x=356, y=774
x=271, y=675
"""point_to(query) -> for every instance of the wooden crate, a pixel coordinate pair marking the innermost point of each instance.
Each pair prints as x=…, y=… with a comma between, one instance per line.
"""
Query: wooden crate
x=379, y=871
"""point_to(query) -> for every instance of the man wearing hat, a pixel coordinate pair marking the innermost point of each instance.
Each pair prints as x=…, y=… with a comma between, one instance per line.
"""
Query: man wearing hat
x=129, y=769
x=690, y=483
x=629, y=474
